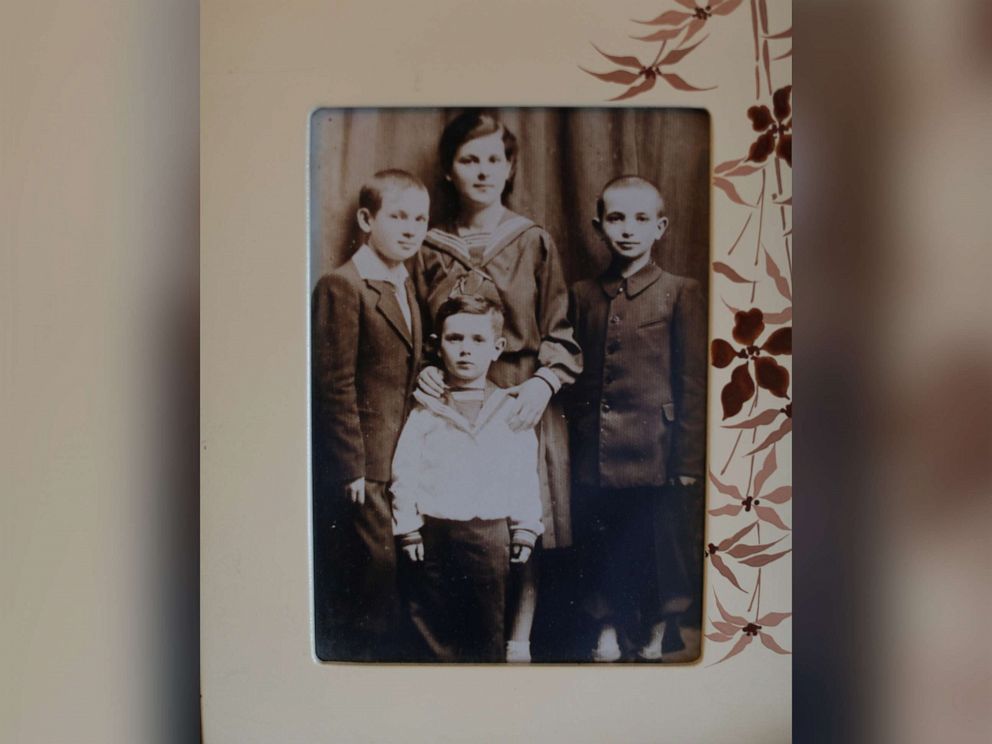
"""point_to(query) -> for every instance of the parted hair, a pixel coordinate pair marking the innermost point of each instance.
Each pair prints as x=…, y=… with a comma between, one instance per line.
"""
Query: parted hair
x=370, y=197
x=471, y=305
x=469, y=125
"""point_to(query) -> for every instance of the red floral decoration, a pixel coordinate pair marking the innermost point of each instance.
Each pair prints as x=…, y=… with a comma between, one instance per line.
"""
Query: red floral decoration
x=775, y=127
x=769, y=374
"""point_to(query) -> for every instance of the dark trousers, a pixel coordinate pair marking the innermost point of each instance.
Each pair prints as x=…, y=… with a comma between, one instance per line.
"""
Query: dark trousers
x=641, y=555
x=457, y=597
x=355, y=592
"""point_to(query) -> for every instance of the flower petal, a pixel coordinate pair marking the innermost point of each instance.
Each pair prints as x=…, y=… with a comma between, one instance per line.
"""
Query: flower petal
x=761, y=118
x=720, y=637
x=779, y=496
x=668, y=18
x=724, y=570
x=781, y=102
x=784, y=148
x=748, y=325
x=769, y=642
x=676, y=55
x=763, y=418
x=730, y=190
x=738, y=621
x=722, y=353
x=767, y=514
x=758, y=561
x=780, y=432
x=761, y=148
x=721, y=268
x=727, y=489
x=663, y=35
x=780, y=342
x=623, y=61
x=625, y=77
x=636, y=90
x=773, y=618
x=741, y=644
x=767, y=468
x=732, y=540
x=781, y=284
x=679, y=84
x=772, y=376
x=737, y=392
x=743, y=551
x=726, y=7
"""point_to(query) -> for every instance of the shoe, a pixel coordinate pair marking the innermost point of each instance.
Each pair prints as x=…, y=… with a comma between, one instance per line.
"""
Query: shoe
x=651, y=651
x=518, y=652
x=608, y=647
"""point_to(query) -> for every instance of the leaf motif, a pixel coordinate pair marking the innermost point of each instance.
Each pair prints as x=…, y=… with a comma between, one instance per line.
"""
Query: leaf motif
x=732, y=540
x=776, y=274
x=727, y=165
x=725, y=8
x=780, y=342
x=677, y=55
x=786, y=202
x=771, y=376
x=743, y=551
x=741, y=644
x=748, y=325
x=725, y=627
x=679, y=84
x=738, y=621
x=767, y=468
x=737, y=392
x=744, y=170
x=784, y=55
x=770, y=643
x=727, y=489
x=787, y=34
x=730, y=510
x=668, y=18
x=767, y=514
x=724, y=570
x=722, y=353
x=773, y=618
x=758, y=561
x=730, y=190
x=776, y=435
x=623, y=61
x=626, y=77
x=690, y=4
x=784, y=316
x=779, y=496
x=766, y=58
x=719, y=637
x=642, y=87
x=693, y=28
x=664, y=34
x=765, y=417
x=721, y=268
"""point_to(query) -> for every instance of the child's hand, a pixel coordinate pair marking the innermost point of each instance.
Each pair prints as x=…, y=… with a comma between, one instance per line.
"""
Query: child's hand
x=532, y=397
x=431, y=382
x=356, y=491
x=414, y=552
x=520, y=553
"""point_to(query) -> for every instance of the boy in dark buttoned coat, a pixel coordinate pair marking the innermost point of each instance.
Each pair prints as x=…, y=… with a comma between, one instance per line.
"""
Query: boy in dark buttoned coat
x=366, y=339
x=637, y=418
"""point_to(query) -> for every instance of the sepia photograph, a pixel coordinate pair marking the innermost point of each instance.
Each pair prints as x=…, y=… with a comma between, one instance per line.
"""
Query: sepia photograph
x=508, y=383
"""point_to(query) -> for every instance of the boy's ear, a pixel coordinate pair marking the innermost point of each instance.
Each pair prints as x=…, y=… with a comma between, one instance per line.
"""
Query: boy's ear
x=662, y=226
x=501, y=344
x=364, y=217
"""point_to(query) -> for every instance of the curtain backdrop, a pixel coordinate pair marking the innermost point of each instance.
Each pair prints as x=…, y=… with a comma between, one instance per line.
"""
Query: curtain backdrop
x=565, y=157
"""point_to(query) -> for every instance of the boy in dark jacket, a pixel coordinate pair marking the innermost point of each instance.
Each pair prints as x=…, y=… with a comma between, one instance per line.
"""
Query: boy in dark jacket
x=366, y=355
x=637, y=418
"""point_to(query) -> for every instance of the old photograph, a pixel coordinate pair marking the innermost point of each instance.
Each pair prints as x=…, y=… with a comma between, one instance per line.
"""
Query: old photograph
x=509, y=314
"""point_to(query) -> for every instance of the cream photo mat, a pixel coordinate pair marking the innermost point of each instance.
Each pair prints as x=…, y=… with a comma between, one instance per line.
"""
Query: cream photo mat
x=264, y=69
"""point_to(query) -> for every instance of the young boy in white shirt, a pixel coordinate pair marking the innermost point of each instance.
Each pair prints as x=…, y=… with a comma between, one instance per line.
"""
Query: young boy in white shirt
x=466, y=495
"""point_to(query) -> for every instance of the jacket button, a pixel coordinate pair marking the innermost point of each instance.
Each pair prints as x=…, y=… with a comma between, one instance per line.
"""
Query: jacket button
x=606, y=406
x=614, y=319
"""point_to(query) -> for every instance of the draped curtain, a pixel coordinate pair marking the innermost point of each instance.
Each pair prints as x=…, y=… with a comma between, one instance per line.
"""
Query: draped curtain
x=565, y=157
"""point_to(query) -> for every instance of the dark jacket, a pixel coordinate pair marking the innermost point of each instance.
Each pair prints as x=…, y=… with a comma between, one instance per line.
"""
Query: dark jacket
x=638, y=410
x=365, y=363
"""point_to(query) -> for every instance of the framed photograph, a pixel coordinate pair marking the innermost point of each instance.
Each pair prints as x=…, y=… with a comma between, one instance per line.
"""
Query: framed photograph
x=496, y=320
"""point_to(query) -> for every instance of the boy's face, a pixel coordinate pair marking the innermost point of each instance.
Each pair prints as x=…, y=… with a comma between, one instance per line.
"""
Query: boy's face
x=469, y=346
x=480, y=170
x=397, y=230
x=631, y=223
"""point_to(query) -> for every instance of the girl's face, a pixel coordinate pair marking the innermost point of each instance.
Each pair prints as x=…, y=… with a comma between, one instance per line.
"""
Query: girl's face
x=480, y=169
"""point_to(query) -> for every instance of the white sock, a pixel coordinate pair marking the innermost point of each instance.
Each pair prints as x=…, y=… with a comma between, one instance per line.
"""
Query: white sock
x=608, y=647
x=518, y=652
x=652, y=649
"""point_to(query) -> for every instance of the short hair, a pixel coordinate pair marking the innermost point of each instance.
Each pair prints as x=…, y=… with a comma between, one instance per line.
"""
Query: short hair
x=470, y=305
x=628, y=181
x=391, y=179
x=469, y=125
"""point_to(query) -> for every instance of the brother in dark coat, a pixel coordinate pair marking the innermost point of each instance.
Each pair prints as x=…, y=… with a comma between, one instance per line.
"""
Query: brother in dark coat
x=637, y=415
x=365, y=361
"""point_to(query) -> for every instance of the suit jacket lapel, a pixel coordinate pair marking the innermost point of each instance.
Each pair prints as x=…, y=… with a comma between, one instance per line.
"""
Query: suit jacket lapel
x=387, y=305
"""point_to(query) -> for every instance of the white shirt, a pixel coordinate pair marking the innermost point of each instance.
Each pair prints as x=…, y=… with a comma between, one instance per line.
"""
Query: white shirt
x=371, y=266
